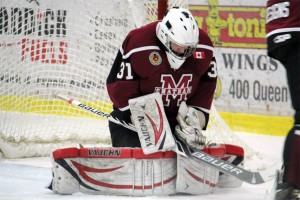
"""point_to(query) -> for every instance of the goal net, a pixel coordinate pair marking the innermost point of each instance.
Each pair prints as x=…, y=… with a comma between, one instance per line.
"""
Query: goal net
x=68, y=47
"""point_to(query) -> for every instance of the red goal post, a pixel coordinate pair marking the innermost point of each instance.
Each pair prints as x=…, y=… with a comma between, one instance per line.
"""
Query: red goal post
x=162, y=7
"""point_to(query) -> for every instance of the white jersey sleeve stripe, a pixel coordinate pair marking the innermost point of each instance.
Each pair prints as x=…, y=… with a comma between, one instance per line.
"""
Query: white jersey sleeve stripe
x=205, y=47
x=283, y=30
x=138, y=49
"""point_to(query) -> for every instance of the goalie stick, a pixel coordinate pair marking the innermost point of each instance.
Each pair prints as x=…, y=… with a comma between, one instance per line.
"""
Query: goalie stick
x=195, y=154
x=93, y=110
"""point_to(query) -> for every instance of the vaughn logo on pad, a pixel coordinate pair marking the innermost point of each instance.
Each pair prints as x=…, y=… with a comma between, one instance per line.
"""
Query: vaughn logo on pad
x=151, y=122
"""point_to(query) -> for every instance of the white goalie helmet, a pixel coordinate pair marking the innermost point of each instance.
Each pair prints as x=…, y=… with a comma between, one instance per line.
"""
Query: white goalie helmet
x=180, y=28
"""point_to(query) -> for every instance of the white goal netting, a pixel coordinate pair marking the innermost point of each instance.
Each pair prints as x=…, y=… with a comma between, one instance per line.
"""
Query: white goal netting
x=68, y=47
x=61, y=46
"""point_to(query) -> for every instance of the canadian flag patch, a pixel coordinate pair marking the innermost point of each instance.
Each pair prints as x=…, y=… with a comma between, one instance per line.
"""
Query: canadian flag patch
x=198, y=55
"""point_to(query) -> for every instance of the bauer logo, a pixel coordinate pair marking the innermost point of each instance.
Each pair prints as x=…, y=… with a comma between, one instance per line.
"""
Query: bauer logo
x=222, y=166
x=93, y=110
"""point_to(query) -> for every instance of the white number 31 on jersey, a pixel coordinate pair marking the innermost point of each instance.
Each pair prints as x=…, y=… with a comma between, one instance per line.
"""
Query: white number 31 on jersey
x=125, y=71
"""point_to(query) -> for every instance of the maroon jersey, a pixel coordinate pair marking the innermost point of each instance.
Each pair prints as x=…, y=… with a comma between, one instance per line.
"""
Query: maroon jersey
x=282, y=23
x=142, y=67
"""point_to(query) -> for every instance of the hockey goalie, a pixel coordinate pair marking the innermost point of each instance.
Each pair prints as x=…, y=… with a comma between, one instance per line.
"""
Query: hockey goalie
x=157, y=168
x=163, y=81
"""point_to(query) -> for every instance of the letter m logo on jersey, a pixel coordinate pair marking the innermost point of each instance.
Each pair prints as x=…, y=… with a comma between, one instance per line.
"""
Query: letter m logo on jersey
x=171, y=89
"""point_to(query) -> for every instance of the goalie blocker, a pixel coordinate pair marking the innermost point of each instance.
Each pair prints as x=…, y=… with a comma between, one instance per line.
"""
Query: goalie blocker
x=128, y=171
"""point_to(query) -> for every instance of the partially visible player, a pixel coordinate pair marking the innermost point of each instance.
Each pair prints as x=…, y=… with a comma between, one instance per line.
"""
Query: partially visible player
x=283, y=38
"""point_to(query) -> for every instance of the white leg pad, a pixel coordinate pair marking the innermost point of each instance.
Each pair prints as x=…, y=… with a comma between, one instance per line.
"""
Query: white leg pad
x=118, y=171
x=63, y=182
x=194, y=177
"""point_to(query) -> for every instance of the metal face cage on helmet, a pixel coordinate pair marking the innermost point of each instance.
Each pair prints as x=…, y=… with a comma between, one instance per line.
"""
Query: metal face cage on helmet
x=180, y=28
x=188, y=50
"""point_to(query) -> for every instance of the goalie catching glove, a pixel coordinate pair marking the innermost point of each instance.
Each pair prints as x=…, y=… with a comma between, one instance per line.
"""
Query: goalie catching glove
x=190, y=124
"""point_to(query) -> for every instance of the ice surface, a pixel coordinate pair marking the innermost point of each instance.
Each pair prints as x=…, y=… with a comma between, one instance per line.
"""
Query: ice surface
x=27, y=178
